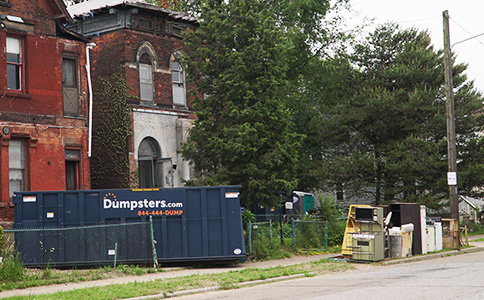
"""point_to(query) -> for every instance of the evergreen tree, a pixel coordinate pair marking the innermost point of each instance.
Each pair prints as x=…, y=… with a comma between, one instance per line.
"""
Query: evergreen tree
x=386, y=136
x=238, y=59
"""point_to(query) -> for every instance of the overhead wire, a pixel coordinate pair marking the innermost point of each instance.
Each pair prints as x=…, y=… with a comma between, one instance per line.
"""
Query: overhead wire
x=470, y=38
x=291, y=23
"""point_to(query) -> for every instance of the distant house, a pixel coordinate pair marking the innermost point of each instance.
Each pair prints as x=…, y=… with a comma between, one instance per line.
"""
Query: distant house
x=144, y=42
x=43, y=101
x=470, y=209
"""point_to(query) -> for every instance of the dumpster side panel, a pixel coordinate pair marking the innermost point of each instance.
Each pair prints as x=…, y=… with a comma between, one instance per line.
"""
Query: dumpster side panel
x=235, y=229
x=190, y=224
x=196, y=225
x=92, y=208
x=51, y=202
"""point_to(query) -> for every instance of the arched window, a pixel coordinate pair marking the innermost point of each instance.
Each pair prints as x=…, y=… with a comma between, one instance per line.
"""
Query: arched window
x=147, y=64
x=178, y=81
x=145, y=78
x=149, y=163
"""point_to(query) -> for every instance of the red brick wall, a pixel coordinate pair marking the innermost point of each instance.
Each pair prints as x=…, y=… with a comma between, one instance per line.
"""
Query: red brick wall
x=36, y=115
x=116, y=50
x=38, y=12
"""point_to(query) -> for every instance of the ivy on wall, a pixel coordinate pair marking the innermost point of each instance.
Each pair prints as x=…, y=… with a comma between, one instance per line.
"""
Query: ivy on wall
x=111, y=132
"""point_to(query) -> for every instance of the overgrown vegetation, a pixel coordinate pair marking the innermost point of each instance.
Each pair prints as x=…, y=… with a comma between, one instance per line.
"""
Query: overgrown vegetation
x=13, y=275
x=11, y=269
x=474, y=228
x=302, y=234
x=112, y=120
x=226, y=280
x=335, y=217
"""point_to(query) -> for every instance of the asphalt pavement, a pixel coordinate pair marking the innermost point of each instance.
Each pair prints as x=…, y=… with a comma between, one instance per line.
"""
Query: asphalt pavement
x=179, y=272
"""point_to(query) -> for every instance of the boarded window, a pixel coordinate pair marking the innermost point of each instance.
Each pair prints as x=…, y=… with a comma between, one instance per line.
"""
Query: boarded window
x=69, y=84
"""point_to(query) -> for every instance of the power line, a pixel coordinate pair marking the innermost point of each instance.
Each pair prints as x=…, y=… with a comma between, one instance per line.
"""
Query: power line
x=472, y=36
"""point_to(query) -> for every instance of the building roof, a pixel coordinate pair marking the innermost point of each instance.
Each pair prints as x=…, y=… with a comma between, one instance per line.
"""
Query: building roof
x=92, y=6
x=61, y=10
x=86, y=7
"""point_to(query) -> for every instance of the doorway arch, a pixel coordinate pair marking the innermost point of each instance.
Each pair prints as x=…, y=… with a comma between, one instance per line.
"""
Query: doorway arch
x=149, y=164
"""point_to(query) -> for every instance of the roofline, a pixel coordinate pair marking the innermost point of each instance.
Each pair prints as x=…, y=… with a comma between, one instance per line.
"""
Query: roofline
x=171, y=13
x=73, y=33
x=63, y=9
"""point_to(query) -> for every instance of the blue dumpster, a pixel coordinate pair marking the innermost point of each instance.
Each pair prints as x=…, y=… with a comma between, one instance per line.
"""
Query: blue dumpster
x=195, y=224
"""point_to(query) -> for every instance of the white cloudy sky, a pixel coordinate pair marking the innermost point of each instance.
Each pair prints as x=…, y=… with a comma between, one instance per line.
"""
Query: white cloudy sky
x=466, y=20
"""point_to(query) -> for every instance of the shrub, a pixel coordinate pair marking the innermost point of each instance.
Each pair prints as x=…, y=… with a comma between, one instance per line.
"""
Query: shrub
x=286, y=230
x=12, y=268
x=263, y=249
x=247, y=216
x=309, y=233
x=2, y=239
x=335, y=218
x=474, y=228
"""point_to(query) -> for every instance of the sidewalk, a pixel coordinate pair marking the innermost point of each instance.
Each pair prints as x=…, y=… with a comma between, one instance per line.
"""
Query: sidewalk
x=170, y=273
x=179, y=272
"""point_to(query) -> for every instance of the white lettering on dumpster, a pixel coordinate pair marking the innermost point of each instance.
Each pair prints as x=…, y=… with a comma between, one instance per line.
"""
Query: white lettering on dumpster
x=111, y=202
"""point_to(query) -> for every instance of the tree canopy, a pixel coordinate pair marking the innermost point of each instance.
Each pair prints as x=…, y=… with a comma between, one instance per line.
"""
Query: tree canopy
x=277, y=110
x=386, y=135
x=245, y=59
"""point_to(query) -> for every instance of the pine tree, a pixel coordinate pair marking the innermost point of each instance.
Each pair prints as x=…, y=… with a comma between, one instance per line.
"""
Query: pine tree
x=386, y=136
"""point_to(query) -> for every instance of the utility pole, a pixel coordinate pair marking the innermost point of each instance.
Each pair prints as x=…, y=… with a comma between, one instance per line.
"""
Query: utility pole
x=451, y=143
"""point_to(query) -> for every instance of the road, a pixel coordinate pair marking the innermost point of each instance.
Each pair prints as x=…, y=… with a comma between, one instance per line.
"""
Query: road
x=453, y=277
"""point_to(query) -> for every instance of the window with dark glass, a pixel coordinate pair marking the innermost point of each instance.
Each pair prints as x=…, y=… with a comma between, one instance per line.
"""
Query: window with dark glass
x=72, y=157
x=148, y=24
x=149, y=163
x=69, y=75
x=14, y=63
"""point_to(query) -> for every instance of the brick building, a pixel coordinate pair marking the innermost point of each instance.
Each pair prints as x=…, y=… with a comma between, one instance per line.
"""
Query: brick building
x=43, y=101
x=144, y=42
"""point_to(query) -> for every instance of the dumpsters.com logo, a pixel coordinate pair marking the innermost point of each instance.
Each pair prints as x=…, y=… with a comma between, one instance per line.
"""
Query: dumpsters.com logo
x=111, y=202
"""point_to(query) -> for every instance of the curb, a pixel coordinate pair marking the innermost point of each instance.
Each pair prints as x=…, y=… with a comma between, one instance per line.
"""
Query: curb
x=216, y=288
x=276, y=279
x=432, y=256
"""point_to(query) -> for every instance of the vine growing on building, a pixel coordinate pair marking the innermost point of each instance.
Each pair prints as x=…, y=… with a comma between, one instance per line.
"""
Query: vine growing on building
x=111, y=132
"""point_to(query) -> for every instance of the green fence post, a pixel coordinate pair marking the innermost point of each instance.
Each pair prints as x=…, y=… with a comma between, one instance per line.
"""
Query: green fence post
x=115, y=254
x=293, y=233
x=250, y=236
x=155, y=259
x=270, y=229
x=326, y=235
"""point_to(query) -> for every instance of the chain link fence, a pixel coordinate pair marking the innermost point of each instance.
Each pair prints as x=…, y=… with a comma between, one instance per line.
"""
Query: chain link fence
x=127, y=243
x=300, y=234
x=259, y=231
x=310, y=235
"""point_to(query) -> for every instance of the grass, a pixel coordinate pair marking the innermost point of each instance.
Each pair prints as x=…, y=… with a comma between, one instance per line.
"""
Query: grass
x=226, y=280
x=478, y=240
x=48, y=276
x=474, y=229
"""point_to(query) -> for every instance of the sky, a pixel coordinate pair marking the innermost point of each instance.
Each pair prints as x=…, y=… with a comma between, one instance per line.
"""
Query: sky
x=466, y=20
